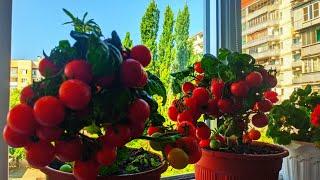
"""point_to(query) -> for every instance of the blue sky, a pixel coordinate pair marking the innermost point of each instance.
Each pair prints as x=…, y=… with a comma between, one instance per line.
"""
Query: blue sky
x=37, y=24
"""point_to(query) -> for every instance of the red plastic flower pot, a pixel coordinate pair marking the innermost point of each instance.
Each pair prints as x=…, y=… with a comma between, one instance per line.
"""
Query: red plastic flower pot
x=215, y=165
x=154, y=174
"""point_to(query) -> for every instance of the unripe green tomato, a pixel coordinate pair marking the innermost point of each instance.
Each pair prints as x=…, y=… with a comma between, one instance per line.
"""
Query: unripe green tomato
x=156, y=145
x=214, y=144
x=66, y=168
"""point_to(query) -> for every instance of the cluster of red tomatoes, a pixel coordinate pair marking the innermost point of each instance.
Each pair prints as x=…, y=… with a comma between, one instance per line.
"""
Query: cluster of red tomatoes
x=35, y=122
x=221, y=99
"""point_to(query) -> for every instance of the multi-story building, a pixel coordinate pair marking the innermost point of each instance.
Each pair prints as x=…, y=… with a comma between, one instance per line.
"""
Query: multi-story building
x=197, y=43
x=306, y=26
x=269, y=36
x=23, y=73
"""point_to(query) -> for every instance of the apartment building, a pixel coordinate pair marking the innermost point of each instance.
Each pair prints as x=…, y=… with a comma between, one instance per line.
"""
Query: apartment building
x=268, y=35
x=306, y=26
x=197, y=43
x=23, y=72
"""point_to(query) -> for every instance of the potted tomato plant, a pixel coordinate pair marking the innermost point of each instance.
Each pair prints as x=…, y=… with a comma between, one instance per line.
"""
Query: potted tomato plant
x=295, y=123
x=233, y=92
x=95, y=97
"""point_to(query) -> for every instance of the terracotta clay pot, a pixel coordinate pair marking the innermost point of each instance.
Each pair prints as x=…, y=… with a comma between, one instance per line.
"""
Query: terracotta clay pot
x=154, y=174
x=215, y=165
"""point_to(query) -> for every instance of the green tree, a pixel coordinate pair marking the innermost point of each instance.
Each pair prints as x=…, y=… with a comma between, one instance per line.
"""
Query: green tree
x=148, y=31
x=127, y=41
x=165, y=49
x=183, y=47
x=14, y=97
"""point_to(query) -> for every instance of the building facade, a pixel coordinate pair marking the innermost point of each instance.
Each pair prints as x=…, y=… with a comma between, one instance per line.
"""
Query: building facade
x=197, y=43
x=23, y=72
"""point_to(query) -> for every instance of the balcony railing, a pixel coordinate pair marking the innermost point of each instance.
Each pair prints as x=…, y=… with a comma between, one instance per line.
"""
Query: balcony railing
x=310, y=50
x=301, y=24
x=267, y=8
x=265, y=54
x=263, y=25
x=297, y=63
x=296, y=47
x=307, y=78
x=262, y=40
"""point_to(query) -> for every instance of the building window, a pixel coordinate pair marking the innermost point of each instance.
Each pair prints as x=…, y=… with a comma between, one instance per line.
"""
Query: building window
x=310, y=12
x=316, y=65
x=24, y=80
x=315, y=10
x=24, y=71
x=296, y=57
x=34, y=72
x=14, y=71
x=282, y=91
x=305, y=14
x=318, y=35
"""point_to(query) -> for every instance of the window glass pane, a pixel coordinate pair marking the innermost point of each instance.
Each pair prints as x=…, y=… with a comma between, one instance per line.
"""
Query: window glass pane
x=305, y=13
x=316, y=10
x=37, y=25
x=318, y=35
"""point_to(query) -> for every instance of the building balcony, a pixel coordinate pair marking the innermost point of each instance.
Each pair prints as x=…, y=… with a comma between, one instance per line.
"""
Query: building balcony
x=263, y=25
x=296, y=47
x=296, y=64
x=262, y=40
x=271, y=53
x=307, y=78
x=267, y=8
x=301, y=24
x=310, y=50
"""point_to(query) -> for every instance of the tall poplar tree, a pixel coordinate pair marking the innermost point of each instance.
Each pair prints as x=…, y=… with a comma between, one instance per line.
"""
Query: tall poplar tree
x=148, y=30
x=127, y=41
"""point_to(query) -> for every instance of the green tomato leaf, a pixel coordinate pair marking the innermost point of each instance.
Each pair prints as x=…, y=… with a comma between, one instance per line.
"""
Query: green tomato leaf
x=156, y=87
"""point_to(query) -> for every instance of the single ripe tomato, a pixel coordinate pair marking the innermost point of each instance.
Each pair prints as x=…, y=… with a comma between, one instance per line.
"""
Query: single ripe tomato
x=185, y=116
x=199, y=78
x=49, y=133
x=132, y=74
x=254, y=134
x=186, y=128
x=264, y=105
x=79, y=69
x=15, y=139
x=191, y=102
x=212, y=108
x=225, y=105
x=139, y=111
x=137, y=129
x=239, y=89
x=177, y=158
x=117, y=136
x=142, y=54
x=201, y=95
x=191, y=147
x=75, y=94
x=254, y=79
x=187, y=87
x=26, y=95
x=204, y=143
x=271, y=81
x=69, y=150
x=21, y=119
x=216, y=88
x=264, y=73
x=246, y=139
x=260, y=120
x=197, y=67
x=86, y=170
x=47, y=68
x=203, y=132
x=173, y=113
x=40, y=154
x=152, y=129
x=271, y=95
x=107, y=155
x=49, y=111
x=167, y=149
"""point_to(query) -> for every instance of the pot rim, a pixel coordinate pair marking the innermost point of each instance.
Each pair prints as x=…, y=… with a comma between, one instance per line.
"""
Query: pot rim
x=161, y=168
x=228, y=155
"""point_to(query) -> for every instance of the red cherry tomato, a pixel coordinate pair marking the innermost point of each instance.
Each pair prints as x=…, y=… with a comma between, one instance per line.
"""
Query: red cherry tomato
x=47, y=68
x=260, y=120
x=271, y=95
x=239, y=89
x=254, y=79
x=246, y=139
x=137, y=129
x=173, y=113
x=40, y=154
x=139, y=111
x=49, y=133
x=187, y=87
x=26, y=95
x=107, y=155
x=198, y=68
x=75, y=94
x=212, y=108
x=204, y=143
x=185, y=116
x=15, y=139
x=49, y=111
x=79, y=69
x=152, y=129
x=186, y=128
x=199, y=78
x=167, y=149
x=225, y=105
x=254, y=134
x=271, y=81
x=21, y=119
x=201, y=95
x=117, y=136
x=216, y=88
x=132, y=74
x=142, y=54
x=68, y=151
x=191, y=147
x=203, y=132
x=86, y=170
x=264, y=105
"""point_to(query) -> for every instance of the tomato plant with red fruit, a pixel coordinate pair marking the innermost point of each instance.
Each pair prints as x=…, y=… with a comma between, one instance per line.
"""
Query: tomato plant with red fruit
x=187, y=87
x=79, y=69
x=15, y=139
x=47, y=68
x=40, y=154
x=226, y=91
x=142, y=54
x=69, y=150
x=21, y=119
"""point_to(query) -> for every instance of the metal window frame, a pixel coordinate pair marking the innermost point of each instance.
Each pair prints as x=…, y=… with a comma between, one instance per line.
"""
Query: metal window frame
x=222, y=29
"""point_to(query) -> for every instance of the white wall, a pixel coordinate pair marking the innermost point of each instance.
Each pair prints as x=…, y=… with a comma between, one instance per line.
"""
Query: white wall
x=5, y=56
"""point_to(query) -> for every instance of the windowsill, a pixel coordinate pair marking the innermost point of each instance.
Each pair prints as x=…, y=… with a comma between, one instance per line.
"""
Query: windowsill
x=180, y=177
x=304, y=46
